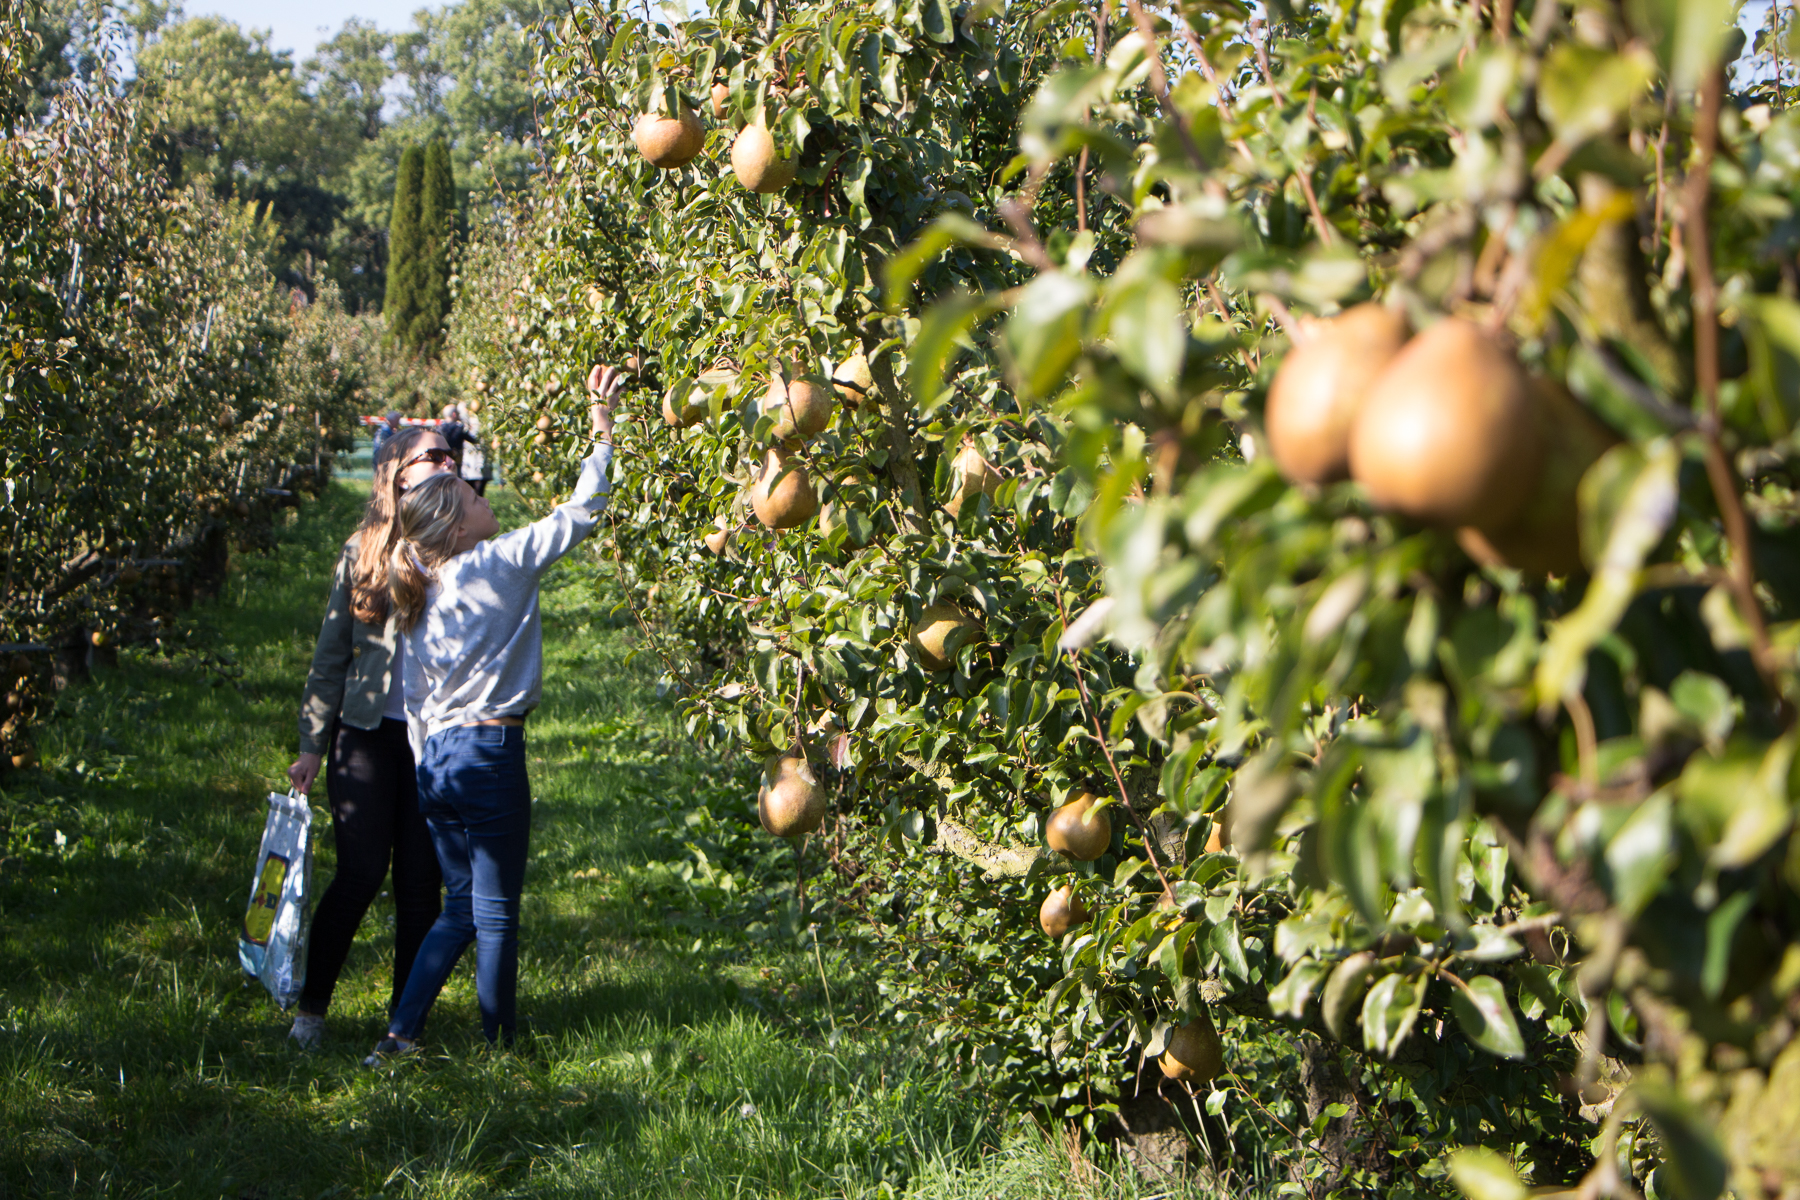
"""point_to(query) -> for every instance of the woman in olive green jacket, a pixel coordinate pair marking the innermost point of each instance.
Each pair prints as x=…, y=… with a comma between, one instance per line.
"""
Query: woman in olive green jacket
x=354, y=709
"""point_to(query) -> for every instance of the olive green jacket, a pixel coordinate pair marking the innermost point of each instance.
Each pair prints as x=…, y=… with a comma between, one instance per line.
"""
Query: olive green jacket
x=351, y=667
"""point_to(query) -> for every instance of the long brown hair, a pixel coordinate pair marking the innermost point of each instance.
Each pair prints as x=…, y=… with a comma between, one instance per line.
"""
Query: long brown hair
x=380, y=529
x=430, y=514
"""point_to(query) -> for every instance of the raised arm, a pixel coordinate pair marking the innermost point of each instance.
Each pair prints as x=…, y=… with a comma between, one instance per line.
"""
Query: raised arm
x=541, y=543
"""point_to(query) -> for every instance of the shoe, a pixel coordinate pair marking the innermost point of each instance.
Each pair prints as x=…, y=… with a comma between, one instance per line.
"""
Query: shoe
x=308, y=1031
x=389, y=1047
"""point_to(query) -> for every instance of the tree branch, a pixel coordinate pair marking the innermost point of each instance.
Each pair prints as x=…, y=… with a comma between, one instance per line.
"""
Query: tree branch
x=1698, y=190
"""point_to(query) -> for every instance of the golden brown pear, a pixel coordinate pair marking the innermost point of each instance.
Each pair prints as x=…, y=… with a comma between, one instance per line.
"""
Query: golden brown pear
x=837, y=509
x=853, y=381
x=931, y=635
x=790, y=802
x=721, y=95
x=691, y=411
x=1073, y=832
x=783, y=497
x=755, y=162
x=718, y=540
x=1320, y=387
x=1193, y=1053
x=1545, y=537
x=801, y=409
x=1449, y=432
x=668, y=142
x=1060, y=912
x=1219, y=839
x=971, y=475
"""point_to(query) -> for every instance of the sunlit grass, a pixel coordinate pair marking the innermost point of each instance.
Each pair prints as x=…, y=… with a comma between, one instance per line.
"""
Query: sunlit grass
x=136, y=1060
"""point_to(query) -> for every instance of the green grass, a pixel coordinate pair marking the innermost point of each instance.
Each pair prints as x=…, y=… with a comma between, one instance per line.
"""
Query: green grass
x=136, y=1060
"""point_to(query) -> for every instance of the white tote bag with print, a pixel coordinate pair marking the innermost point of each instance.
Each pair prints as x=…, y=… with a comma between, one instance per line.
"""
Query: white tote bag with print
x=272, y=941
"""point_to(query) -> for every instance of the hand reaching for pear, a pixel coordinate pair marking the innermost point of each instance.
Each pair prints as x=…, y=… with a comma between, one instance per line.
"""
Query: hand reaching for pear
x=604, y=384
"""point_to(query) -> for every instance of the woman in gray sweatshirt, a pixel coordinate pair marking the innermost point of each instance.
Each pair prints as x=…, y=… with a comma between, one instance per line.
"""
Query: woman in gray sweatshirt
x=467, y=605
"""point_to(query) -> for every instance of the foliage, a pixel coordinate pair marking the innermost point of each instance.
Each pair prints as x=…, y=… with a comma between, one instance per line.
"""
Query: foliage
x=162, y=396
x=316, y=144
x=1479, y=816
x=437, y=232
x=406, y=265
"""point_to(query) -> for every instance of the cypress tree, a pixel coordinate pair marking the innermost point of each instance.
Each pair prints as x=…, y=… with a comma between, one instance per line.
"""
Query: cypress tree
x=437, y=228
x=404, y=246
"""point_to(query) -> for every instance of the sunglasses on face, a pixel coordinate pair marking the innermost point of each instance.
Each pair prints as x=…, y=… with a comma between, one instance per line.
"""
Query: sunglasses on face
x=437, y=457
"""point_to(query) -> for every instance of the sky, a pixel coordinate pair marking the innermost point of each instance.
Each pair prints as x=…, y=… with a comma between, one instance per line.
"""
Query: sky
x=300, y=25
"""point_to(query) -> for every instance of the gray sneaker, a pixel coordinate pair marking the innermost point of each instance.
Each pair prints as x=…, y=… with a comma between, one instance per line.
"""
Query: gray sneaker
x=389, y=1047
x=308, y=1031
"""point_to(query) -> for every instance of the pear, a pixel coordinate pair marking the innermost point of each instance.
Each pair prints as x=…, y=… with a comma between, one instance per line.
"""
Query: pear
x=790, y=802
x=931, y=635
x=755, y=162
x=1071, y=831
x=1193, y=1053
x=1320, y=387
x=972, y=475
x=1545, y=537
x=1060, y=912
x=1449, y=433
x=783, y=497
x=668, y=142
x=853, y=381
x=802, y=408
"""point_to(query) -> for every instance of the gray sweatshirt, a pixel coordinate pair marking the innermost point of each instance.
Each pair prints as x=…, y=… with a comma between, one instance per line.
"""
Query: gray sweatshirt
x=476, y=652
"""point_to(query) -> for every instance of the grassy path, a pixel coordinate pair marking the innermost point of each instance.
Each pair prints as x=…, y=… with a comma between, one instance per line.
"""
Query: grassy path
x=136, y=1060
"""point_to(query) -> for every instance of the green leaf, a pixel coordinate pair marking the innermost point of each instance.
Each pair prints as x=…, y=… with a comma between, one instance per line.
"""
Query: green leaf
x=1734, y=803
x=945, y=324
x=950, y=229
x=1043, y=336
x=1344, y=992
x=1389, y=1012
x=1694, y=1166
x=1289, y=997
x=1585, y=89
x=1641, y=853
x=1482, y=1174
x=1721, y=928
x=1144, y=320
x=1482, y=1011
x=1688, y=35
x=939, y=20
x=1643, y=516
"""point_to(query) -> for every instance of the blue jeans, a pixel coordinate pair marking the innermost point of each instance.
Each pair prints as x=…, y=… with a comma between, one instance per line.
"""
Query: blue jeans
x=477, y=804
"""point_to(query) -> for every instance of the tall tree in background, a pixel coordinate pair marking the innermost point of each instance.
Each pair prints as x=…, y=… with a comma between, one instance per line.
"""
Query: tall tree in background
x=437, y=227
x=236, y=118
x=405, y=244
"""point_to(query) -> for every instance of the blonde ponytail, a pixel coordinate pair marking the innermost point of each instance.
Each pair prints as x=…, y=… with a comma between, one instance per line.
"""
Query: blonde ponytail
x=429, y=514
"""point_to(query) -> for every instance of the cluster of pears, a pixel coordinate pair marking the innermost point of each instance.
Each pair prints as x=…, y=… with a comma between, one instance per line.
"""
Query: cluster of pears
x=1079, y=831
x=1444, y=427
x=1192, y=1052
x=783, y=495
x=671, y=142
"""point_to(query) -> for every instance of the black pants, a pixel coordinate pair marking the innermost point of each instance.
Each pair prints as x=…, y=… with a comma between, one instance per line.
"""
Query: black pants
x=374, y=819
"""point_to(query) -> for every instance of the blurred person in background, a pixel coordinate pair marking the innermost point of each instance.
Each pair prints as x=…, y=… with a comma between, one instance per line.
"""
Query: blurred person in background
x=390, y=425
